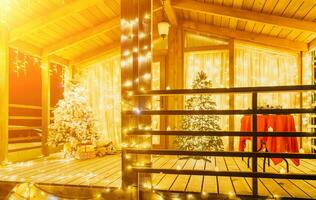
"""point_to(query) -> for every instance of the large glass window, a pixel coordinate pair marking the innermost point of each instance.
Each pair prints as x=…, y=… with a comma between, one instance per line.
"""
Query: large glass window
x=254, y=66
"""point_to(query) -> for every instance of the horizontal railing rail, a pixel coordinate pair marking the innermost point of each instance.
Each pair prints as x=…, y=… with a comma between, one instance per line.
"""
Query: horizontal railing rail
x=19, y=117
x=24, y=148
x=265, y=89
x=24, y=128
x=220, y=112
x=219, y=153
x=26, y=132
x=220, y=133
x=23, y=106
x=224, y=173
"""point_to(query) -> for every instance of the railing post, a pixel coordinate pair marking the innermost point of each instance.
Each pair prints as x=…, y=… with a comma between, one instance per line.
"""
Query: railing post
x=45, y=104
x=4, y=92
x=254, y=143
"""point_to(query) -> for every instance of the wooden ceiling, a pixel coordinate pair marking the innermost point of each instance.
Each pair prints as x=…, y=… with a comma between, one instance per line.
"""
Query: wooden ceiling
x=72, y=31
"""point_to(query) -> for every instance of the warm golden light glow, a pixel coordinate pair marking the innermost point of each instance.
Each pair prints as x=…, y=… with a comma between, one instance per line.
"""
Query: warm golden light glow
x=5, y=7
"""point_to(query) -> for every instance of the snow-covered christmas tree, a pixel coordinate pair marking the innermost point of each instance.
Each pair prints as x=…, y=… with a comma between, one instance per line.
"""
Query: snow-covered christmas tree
x=74, y=122
x=200, y=122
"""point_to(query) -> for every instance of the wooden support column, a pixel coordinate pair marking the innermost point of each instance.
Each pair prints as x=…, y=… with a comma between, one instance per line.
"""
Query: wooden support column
x=4, y=91
x=45, y=104
x=231, y=48
x=136, y=54
x=175, y=75
x=300, y=82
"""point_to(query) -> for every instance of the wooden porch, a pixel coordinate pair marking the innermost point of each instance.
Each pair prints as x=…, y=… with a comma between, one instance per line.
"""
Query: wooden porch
x=105, y=173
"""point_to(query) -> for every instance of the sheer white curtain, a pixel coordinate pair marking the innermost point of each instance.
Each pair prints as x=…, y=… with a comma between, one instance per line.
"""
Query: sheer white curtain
x=214, y=63
x=104, y=87
x=263, y=67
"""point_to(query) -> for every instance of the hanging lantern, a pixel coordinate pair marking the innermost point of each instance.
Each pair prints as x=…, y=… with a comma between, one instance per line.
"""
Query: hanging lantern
x=163, y=29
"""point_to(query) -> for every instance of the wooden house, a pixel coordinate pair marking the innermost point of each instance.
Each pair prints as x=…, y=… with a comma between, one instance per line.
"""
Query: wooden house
x=200, y=99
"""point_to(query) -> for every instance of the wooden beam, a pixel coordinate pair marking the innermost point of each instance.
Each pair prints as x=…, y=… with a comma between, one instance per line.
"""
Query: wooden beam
x=207, y=48
x=58, y=60
x=82, y=36
x=312, y=45
x=26, y=48
x=45, y=104
x=91, y=58
x=40, y=22
x=268, y=47
x=171, y=14
x=244, y=36
x=4, y=91
x=95, y=55
x=212, y=9
x=157, y=8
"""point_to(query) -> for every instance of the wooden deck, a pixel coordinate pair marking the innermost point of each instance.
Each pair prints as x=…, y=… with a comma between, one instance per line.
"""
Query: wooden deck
x=233, y=185
x=106, y=172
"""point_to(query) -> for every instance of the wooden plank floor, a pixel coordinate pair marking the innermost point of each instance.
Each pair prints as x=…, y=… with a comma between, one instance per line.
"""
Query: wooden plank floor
x=233, y=185
x=106, y=172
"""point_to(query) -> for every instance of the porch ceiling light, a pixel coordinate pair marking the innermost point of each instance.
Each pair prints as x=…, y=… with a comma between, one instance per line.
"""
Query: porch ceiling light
x=163, y=29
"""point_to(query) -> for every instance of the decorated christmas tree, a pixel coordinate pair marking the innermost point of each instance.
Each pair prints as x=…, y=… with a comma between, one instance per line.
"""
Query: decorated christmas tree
x=74, y=122
x=200, y=122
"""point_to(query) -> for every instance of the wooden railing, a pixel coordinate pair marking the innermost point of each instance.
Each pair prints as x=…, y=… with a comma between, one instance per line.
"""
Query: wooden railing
x=254, y=174
x=25, y=132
